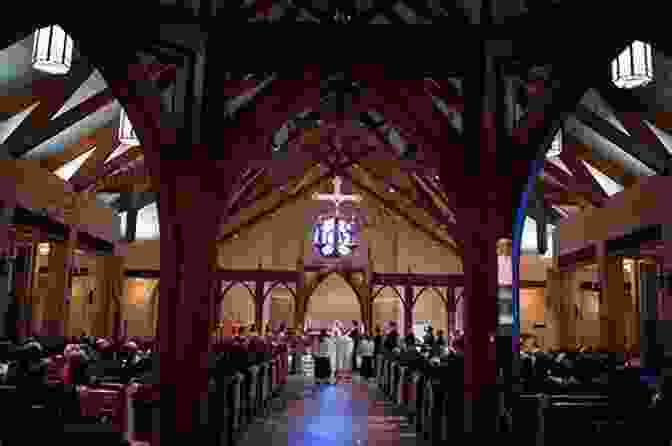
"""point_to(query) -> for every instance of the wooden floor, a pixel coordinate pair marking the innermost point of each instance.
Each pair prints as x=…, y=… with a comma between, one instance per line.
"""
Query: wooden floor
x=343, y=414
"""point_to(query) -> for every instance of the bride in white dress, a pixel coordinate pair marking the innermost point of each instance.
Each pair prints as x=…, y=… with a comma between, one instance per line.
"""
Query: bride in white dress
x=342, y=360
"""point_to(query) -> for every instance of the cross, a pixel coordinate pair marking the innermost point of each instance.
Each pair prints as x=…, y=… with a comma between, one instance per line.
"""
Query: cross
x=337, y=197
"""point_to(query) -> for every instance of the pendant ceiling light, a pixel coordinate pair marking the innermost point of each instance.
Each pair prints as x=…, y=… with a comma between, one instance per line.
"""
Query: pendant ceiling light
x=126, y=132
x=556, y=146
x=52, y=50
x=633, y=67
x=44, y=249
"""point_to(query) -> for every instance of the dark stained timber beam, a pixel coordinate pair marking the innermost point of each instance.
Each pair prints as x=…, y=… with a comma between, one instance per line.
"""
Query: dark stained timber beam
x=390, y=204
x=583, y=177
x=631, y=112
x=53, y=93
x=644, y=153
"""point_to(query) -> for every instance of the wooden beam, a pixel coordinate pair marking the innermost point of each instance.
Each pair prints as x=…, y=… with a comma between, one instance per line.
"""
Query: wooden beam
x=69, y=153
x=390, y=204
x=109, y=168
x=604, y=165
x=426, y=203
x=582, y=176
x=571, y=184
x=106, y=142
x=53, y=92
x=631, y=112
x=649, y=156
x=285, y=199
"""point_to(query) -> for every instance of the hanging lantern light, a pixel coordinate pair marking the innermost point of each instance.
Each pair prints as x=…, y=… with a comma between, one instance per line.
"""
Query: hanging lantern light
x=52, y=50
x=556, y=146
x=44, y=249
x=633, y=67
x=126, y=132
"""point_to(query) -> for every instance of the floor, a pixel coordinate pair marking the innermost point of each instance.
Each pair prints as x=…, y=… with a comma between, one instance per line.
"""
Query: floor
x=343, y=414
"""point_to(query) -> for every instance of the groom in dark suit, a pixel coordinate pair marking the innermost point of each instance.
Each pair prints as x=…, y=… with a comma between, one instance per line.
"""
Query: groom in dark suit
x=356, y=335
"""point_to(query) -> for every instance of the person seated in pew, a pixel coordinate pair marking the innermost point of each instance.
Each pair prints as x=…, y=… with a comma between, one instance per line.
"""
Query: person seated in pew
x=108, y=366
x=29, y=369
x=74, y=372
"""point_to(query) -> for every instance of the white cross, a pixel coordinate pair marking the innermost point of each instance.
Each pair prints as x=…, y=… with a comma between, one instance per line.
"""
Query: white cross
x=337, y=197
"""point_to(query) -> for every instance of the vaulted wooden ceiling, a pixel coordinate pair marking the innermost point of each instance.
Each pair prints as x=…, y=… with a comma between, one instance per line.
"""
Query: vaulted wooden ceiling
x=384, y=145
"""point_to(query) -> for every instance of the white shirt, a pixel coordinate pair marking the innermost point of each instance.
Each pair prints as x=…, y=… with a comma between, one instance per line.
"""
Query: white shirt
x=366, y=347
x=325, y=348
x=344, y=347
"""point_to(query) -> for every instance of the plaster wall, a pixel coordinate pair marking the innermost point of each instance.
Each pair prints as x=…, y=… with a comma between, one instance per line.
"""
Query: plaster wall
x=641, y=205
x=34, y=187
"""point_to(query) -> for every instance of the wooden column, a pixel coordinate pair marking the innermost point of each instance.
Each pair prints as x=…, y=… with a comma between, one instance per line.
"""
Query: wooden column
x=303, y=290
x=259, y=300
x=110, y=270
x=451, y=309
x=560, y=301
x=7, y=300
x=408, y=304
x=189, y=214
x=484, y=215
x=60, y=286
x=614, y=305
x=480, y=322
x=33, y=298
x=23, y=274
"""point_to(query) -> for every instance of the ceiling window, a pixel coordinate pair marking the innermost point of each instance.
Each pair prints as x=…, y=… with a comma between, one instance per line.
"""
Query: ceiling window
x=148, y=223
x=67, y=170
x=122, y=223
x=529, y=241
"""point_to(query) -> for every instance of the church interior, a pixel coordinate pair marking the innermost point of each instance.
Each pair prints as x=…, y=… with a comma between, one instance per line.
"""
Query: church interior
x=352, y=208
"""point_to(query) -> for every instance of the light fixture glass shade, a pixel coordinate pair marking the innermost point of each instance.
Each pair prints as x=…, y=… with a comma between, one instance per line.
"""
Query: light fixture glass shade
x=633, y=67
x=127, y=134
x=52, y=50
x=44, y=249
x=556, y=146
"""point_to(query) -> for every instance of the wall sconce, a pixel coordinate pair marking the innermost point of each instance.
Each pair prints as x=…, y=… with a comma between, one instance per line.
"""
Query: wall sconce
x=44, y=249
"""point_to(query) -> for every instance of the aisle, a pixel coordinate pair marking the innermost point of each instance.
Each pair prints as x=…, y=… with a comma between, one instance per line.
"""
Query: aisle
x=332, y=415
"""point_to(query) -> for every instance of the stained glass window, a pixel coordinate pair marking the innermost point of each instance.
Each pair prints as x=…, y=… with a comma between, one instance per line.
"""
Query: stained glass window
x=334, y=237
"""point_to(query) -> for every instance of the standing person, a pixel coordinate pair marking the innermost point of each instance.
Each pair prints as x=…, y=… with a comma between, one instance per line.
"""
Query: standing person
x=366, y=351
x=429, y=337
x=355, y=334
x=378, y=340
x=323, y=358
x=392, y=338
x=344, y=348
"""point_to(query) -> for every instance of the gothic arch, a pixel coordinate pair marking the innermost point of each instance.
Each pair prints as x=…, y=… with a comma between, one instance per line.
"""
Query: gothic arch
x=320, y=279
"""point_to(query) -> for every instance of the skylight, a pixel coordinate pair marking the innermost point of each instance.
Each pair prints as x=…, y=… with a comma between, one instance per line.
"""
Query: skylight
x=122, y=223
x=148, y=223
x=67, y=170
x=529, y=241
x=610, y=186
